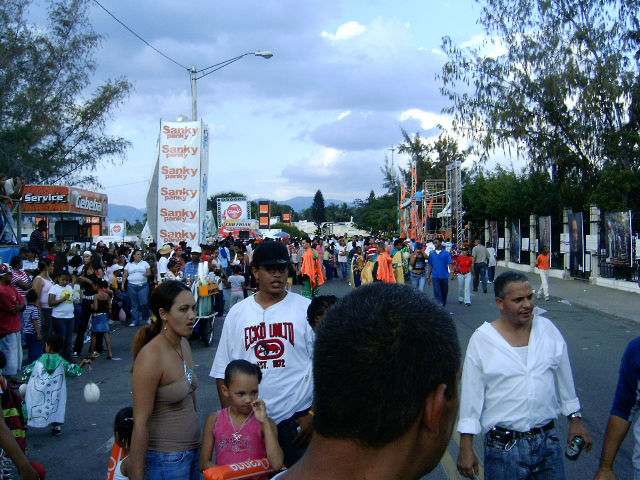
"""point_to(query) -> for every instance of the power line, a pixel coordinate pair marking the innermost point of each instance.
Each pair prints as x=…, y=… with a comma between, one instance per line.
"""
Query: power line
x=126, y=184
x=139, y=37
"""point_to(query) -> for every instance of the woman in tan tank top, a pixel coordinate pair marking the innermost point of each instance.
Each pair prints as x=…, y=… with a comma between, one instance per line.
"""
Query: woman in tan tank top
x=166, y=432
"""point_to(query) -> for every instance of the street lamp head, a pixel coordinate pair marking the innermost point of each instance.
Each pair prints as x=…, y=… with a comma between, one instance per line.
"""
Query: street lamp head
x=266, y=54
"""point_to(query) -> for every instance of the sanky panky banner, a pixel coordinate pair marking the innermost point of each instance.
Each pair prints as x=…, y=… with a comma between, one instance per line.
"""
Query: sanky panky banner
x=181, y=182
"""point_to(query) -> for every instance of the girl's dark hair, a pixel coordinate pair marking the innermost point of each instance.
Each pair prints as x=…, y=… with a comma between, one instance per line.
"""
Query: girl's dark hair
x=241, y=366
x=43, y=264
x=31, y=295
x=75, y=261
x=15, y=261
x=55, y=342
x=318, y=307
x=162, y=297
x=123, y=426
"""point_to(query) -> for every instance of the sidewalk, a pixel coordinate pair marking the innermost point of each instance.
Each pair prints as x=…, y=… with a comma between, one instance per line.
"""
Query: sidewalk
x=624, y=305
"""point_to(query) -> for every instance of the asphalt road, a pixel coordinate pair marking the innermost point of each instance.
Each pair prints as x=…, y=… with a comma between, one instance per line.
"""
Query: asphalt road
x=596, y=342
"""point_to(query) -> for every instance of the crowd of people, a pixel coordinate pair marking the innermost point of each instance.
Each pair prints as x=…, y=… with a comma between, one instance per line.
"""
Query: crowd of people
x=288, y=367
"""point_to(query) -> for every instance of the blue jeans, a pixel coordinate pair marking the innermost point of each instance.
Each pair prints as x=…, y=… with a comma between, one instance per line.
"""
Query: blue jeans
x=464, y=287
x=139, y=296
x=536, y=457
x=35, y=347
x=11, y=346
x=440, y=290
x=419, y=281
x=173, y=465
x=345, y=269
x=63, y=327
x=480, y=270
x=636, y=474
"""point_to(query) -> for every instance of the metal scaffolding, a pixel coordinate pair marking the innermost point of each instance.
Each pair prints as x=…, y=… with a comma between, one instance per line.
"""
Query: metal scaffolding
x=454, y=202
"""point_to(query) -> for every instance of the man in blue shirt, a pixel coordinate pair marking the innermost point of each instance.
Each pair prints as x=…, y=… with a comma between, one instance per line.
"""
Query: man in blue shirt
x=626, y=405
x=191, y=268
x=439, y=262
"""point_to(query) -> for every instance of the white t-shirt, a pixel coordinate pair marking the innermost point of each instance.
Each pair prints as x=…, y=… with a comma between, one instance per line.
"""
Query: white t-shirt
x=162, y=267
x=64, y=309
x=136, y=272
x=280, y=340
x=236, y=282
x=342, y=254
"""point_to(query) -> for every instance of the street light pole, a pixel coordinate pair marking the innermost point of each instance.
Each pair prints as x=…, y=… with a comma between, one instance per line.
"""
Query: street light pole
x=198, y=74
x=194, y=95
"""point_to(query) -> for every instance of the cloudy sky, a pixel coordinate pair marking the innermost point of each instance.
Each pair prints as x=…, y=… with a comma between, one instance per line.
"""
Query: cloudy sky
x=322, y=113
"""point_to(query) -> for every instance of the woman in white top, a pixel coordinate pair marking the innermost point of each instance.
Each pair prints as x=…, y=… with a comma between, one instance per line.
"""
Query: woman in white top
x=42, y=283
x=135, y=277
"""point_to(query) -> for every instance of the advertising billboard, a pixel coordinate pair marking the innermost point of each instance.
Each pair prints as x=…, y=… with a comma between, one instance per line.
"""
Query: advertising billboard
x=180, y=183
x=233, y=210
x=63, y=199
x=618, y=237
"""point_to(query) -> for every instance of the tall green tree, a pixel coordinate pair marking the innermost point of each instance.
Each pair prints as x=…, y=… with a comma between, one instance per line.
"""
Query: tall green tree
x=51, y=128
x=555, y=81
x=318, y=210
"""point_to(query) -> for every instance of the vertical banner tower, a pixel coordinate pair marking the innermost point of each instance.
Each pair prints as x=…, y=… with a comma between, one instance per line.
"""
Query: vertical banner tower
x=182, y=180
x=264, y=215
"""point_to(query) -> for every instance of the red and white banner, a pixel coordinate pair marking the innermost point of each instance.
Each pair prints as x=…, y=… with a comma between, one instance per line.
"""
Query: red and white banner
x=180, y=179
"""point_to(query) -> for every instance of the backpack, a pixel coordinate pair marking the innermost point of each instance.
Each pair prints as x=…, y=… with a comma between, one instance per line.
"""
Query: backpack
x=13, y=409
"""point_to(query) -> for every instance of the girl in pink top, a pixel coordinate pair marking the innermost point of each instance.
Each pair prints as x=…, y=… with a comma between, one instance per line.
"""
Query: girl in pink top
x=242, y=431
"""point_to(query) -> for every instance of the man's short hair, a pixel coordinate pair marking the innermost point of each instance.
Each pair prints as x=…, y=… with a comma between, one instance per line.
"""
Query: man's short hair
x=505, y=278
x=379, y=352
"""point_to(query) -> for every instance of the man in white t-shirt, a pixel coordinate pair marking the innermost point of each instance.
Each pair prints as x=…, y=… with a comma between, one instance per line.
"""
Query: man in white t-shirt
x=270, y=328
x=342, y=259
x=163, y=261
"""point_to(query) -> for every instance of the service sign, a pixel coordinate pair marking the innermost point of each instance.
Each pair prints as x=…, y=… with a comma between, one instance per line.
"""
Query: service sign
x=249, y=224
x=179, y=182
x=45, y=198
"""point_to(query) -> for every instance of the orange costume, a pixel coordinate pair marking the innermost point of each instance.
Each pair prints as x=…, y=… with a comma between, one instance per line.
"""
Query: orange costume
x=385, y=270
x=312, y=273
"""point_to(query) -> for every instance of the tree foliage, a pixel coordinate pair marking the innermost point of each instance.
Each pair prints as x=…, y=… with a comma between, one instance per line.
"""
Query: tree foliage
x=378, y=214
x=318, y=211
x=431, y=157
x=561, y=89
x=51, y=129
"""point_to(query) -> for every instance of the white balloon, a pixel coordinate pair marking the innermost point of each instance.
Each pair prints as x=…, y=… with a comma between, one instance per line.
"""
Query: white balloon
x=23, y=389
x=91, y=392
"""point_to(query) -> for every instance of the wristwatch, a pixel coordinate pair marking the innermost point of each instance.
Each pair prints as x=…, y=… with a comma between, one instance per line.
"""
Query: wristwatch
x=576, y=414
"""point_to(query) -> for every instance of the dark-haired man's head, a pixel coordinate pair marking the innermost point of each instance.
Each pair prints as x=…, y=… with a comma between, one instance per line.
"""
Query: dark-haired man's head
x=318, y=308
x=386, y=366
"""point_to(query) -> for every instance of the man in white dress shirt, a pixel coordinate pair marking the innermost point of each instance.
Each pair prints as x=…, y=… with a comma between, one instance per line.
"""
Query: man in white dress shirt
x=516, y=380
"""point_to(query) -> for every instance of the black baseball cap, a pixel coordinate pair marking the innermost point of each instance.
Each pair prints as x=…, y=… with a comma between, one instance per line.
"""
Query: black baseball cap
x=271, y=253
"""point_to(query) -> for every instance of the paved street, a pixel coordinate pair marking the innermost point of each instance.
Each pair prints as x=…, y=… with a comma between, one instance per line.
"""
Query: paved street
x=596, y=342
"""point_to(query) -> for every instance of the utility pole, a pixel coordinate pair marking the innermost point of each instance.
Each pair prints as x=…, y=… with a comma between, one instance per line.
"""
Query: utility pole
x=194, y=95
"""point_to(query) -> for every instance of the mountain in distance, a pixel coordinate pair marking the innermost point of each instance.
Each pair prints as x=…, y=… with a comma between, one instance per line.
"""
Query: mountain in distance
x=125, y=212
x=302, y=203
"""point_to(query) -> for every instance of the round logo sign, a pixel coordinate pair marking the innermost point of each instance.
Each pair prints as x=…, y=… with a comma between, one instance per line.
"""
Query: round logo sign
x=234, y=211
x=116, y=228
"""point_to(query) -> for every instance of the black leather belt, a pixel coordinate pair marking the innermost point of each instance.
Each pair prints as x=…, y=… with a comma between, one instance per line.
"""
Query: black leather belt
x=513, y=435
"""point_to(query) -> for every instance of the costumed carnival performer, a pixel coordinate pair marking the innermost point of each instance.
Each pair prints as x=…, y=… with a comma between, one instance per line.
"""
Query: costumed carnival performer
x=397, y=255
x=312, y=276
x=378, y=267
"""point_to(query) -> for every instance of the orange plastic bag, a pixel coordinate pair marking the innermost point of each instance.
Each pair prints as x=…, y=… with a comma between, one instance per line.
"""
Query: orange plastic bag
x=117, y=454
x=241, y=470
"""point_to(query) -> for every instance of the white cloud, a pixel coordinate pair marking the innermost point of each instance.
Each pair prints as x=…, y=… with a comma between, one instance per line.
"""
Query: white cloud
x=428, y=120
x=344, y=114
x=488, y=46
x=345, y=31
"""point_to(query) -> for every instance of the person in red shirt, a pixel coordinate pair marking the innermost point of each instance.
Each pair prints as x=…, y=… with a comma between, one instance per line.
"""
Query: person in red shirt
x=11, y=304
x=463, y=271
x=543, y=263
